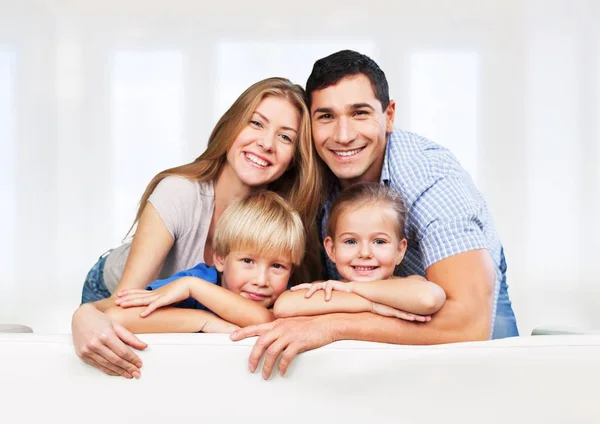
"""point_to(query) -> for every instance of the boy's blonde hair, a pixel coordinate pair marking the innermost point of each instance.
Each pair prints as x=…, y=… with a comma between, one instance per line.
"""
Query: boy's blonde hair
x=368, y=193
x=262, y=223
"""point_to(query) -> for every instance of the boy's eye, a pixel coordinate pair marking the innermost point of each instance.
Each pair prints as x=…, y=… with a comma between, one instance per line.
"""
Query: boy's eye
x=247, y=260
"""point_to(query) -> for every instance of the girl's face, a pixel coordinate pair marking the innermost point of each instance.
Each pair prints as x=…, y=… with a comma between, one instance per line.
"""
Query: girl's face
x=265, y=148
x=365, y=246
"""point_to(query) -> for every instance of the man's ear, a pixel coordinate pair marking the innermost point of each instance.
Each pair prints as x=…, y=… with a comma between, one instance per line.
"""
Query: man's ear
x=328, y=243
x=390, y=114
x=219, y=262
x=401, y=251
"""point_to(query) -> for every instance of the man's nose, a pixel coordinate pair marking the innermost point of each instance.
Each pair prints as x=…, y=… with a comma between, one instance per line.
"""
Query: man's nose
x=344, y=131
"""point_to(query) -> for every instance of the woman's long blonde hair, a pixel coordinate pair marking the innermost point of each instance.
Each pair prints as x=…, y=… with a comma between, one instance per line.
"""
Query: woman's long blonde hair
x=301, y=185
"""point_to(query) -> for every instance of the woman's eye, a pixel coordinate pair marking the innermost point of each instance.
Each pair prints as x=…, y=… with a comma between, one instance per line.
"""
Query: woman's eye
x=286, y=138
x=256, y=123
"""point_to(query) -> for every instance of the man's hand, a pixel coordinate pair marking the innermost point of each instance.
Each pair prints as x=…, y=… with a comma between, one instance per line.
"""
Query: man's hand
x=285, y=337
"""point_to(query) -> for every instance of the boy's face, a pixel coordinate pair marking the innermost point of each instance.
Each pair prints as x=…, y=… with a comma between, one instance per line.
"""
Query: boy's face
x=350, y=129
x=258, y=278
x=365, y=246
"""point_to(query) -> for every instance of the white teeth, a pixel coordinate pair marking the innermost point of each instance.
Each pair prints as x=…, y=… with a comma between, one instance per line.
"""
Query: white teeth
x=256, y=160
x=364, y=268
x=347, y=152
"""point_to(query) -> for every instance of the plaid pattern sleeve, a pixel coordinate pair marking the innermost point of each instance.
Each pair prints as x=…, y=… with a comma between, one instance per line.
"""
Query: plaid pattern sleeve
x=446, y=220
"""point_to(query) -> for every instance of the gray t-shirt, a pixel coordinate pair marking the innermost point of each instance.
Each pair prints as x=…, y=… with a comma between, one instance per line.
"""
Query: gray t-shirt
x=186, y=208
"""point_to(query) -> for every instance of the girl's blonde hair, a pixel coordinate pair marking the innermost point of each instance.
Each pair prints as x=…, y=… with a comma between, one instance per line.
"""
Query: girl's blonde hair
x=301, y=185
x=264, y=224
x=368, y=193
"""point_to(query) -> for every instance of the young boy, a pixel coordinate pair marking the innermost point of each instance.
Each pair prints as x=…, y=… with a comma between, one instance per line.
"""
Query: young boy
x=257, y=242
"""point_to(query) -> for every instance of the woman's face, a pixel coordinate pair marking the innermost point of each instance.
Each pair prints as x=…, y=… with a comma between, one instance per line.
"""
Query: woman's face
x=265, y=148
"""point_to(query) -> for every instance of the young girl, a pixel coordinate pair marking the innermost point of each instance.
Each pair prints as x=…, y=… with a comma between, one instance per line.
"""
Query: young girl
x=366, y=242
x=263, y=140
x=258, y=241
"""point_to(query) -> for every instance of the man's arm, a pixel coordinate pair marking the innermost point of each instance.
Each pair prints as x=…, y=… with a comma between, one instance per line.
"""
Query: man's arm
x=468, y=281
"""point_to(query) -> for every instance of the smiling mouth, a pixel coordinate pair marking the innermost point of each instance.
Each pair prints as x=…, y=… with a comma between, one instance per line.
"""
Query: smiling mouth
x=347, y=153
x=255, y=160
x=364, y=268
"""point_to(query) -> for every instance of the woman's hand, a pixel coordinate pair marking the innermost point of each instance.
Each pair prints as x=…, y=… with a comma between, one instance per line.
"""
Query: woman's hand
x=168, y=294
x=329, y=286
x=102, y=343
x=388, y=311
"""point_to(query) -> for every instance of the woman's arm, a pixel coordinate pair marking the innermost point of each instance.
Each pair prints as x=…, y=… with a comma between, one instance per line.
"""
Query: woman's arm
x=151, y=244
x=170, y=320
x=228, y=305
x=412, y=294
x=102, y=343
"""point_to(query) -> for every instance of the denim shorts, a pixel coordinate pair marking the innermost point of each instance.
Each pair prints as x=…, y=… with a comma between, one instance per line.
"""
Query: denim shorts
x=94, y=288
x=505, y=324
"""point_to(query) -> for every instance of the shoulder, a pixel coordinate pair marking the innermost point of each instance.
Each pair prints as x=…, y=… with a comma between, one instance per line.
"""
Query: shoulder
x=415, y=164
x=205, y=272
x=183, y=188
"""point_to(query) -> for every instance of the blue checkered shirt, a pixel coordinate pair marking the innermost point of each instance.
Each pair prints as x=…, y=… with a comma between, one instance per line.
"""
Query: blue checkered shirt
x=447, y=215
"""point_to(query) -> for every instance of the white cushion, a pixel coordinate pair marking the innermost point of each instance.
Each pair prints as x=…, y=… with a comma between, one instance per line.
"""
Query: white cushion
x=204, y=378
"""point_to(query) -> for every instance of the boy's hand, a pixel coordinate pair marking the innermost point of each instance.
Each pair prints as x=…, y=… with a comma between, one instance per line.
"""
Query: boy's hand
x=388, y=311
x=328, y=286
x=174, y=292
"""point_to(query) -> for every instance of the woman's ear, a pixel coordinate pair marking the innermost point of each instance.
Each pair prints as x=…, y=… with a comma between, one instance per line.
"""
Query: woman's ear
x=401, y=251
x=219, y=262
x=328, y=243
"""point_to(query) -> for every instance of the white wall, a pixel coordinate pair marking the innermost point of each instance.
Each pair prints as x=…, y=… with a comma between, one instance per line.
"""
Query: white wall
x=96, y=97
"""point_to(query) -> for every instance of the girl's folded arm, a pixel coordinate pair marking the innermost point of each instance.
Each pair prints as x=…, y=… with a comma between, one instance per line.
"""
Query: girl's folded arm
x=293, y=303
x=412, y=294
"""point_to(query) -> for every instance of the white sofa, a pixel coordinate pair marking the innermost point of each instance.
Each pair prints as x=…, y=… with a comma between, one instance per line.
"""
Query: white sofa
x=203, y=378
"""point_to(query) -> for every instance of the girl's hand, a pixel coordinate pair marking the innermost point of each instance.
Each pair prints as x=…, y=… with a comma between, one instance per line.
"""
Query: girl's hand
x=388, y=311
x=173, y=292
x=329, y=286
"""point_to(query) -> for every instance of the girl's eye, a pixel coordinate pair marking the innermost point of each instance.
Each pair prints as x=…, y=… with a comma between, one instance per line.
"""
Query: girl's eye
x=380, y=241
x=278, y=266
x=350, y=241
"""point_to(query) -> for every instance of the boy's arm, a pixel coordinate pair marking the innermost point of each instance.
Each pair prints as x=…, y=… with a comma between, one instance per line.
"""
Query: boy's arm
x=294, y=304
x=412, y=294
x=170, y=320
x=230, y=306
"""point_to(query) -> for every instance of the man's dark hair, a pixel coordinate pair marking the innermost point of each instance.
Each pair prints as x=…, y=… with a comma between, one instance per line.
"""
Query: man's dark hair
x=331, y=69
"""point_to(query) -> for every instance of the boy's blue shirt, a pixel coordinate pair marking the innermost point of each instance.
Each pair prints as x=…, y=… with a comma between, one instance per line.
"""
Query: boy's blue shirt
x=203, y=271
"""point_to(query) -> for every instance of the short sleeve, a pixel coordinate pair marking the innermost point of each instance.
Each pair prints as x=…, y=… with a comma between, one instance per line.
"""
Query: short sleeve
x=446, y=219
x=175, y=199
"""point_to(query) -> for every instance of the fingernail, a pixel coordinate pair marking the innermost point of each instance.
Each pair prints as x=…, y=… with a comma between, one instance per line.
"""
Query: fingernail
x=128, y=376
x=251, y=367
x=138, y=364
x=136, y=375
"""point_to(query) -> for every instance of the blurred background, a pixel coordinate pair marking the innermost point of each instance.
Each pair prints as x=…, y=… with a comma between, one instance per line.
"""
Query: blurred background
x=98, y=96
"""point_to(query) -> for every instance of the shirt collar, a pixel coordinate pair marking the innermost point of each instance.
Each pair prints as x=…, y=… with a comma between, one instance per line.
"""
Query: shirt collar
x=385, y=171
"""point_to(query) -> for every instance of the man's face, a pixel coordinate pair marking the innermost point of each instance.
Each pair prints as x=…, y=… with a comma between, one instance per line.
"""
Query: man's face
x=349, y=129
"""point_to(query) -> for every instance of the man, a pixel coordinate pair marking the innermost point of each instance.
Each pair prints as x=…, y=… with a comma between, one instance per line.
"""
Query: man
x=452, y=240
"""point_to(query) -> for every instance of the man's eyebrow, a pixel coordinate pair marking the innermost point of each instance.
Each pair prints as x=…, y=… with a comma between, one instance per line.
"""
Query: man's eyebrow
x=267, y=120
x=323, y=110
x=356, y=106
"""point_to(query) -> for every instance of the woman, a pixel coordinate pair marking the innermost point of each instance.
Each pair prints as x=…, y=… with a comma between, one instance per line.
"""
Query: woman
x=263, y=140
